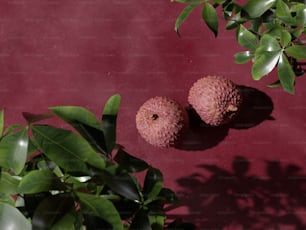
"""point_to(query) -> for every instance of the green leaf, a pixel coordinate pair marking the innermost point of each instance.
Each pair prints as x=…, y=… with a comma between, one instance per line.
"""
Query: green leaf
x=13, y=150
x=12, y=219
x=129, y=162
x=122, y=184
x=1, y=121
x=269, y=43
x=85, y=122
x=243, y=57
x=153, y=183
x=301, y=15
x=8, y=184
x=246, y=38
x=275, y=84
x=67, y=222
x=285, y=38
x=7, y=198
x=168, y=196
x=297, y=51
x=188, y=1
x=38, y=181
x=184, y=15
x=256, y=8
x=210, y=17
x=76, y=114
x=100, y=207
x=255, y=25
x=286, y=74
x=11, y=128
x=50, y=210
x=283, y=12
x=235, y=21
x=264, y=64
x=141, y=221
x=67, y=149
x=95, y=137
x=157, y=221
x=109, y=120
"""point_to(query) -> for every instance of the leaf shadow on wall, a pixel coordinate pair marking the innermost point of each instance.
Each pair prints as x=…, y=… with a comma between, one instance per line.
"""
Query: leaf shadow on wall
x=256, y=108
x=236, y=200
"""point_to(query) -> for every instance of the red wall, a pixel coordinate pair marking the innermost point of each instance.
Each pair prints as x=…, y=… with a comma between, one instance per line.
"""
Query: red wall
x=80, y=52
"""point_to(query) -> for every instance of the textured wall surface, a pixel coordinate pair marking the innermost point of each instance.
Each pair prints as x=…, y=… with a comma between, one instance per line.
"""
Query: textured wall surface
x=249, y=175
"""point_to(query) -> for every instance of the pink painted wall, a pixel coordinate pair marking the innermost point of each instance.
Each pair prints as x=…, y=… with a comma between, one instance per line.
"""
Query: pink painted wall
x=80, y=52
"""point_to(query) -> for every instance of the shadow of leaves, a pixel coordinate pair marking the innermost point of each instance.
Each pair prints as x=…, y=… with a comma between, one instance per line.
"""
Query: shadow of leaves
x=234, y=199
x=256, y=108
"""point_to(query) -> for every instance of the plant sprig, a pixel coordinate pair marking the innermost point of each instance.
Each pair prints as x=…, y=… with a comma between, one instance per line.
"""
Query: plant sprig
x=56, y=178
x=272, y=32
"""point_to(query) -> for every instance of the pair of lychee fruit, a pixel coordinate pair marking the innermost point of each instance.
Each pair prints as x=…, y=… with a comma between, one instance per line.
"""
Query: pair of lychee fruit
x=163, y=122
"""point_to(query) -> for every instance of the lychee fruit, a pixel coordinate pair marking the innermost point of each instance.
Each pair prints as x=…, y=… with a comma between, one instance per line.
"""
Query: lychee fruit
x=162, y=122
x=216, y=99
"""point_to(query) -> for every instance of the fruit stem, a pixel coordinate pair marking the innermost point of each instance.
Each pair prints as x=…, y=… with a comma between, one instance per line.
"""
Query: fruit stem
x=232, y=108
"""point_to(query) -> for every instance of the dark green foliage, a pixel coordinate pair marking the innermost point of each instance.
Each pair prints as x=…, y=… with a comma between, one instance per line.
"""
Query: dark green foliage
x=76, y=179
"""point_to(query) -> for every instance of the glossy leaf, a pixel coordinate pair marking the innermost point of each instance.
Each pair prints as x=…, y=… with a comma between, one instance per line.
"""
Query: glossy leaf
x=153, y=183
x=275, y=84
x=157, y=221
x=76, y=114
x=50, y=210
x=283, y=12
x=1, y=121
x=285, y=38
x=11, y=128
x=129, y=162
x=13, y=150
x=269, y=43
x=301, y=15
x=141, y=221
x=7, y=199
x=109, y=120
x=67, y=149
x=218, y=1
x=184, y=15
x=95, y=137
x=256, y=25
x=210, y=17
x=243, y=57
x=286, y=74
x=235, y=21
x=246, y=38
x=8, y=184
x=297, y=32
x=100, y=207
x=85, y=122
x=188, y=1
x=297, y=51
x=256, y=8
x=38, y=181
x=168, y=196
x=67, y=222
x=122, y=184
x=12, y=219
x=264, y=64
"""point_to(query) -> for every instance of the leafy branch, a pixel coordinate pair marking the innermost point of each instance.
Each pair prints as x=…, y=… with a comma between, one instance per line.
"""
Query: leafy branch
x=76, y=178
x=272, y=32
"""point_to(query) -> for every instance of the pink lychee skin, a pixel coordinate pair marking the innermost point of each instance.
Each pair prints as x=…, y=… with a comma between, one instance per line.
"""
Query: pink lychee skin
x=216, y=99
x=162, y=122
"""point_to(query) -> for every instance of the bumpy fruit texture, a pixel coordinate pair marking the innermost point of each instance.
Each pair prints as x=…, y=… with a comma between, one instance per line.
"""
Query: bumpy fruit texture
x=216, y=99
x=162, y=122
